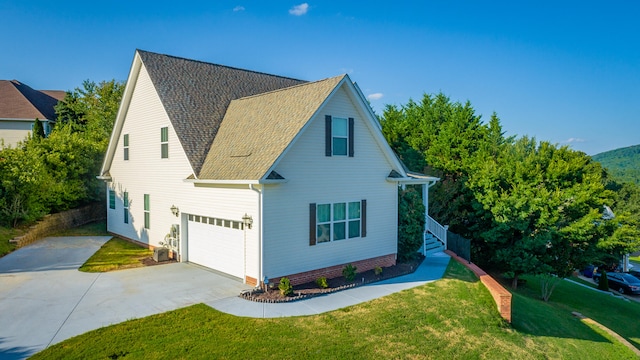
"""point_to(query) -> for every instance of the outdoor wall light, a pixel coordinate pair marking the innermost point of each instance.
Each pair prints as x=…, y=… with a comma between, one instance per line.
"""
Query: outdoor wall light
x=248, y=220
x=174, y=210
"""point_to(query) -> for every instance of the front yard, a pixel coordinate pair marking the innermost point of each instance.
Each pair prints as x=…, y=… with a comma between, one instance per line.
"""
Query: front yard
x=451, y=318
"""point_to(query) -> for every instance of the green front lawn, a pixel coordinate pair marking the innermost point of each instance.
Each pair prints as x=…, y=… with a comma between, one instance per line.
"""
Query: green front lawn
x=116, y=254
x=617, y=314
x=451, y=318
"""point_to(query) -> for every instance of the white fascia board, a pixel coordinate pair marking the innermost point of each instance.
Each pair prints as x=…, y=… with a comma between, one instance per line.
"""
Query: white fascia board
x=415, y=181
x=376, y=129
x=122, y=111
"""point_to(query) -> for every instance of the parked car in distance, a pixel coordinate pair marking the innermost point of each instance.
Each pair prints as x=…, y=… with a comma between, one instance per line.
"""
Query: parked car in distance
x=588, y=271
x=622, y=282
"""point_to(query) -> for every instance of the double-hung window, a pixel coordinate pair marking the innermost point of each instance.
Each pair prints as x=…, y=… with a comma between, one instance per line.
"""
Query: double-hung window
x=164, y=143
x=339, y=136
x=125, y=143
x=337, y=221
x=126, y=207
x=147, y=212
x=112, y=199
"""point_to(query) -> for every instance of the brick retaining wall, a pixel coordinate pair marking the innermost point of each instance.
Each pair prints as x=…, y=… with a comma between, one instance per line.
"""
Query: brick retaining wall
x=501, y=296
x=62, y=221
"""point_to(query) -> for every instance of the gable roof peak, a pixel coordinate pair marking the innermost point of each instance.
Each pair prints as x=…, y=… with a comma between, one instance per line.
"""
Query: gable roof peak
x=196, y=95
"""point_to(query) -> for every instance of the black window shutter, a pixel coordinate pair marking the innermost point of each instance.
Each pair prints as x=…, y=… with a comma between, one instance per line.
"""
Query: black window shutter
x=363, y=220
x=312, y=224
x=351, y=137
x=327, y=135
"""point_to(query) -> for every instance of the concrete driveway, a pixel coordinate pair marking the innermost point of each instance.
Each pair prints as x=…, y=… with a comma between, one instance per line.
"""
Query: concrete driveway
x=44, y=299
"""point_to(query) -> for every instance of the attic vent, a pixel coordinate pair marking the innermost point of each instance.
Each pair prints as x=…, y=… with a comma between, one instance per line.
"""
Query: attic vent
x=274, y=176
x=394, y=174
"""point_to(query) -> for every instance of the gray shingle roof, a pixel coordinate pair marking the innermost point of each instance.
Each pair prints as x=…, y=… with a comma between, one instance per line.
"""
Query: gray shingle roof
x=196, y=96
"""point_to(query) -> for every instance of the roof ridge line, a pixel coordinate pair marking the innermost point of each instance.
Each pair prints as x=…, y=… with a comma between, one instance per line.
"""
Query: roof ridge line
x=224, y=66
x=290, y=87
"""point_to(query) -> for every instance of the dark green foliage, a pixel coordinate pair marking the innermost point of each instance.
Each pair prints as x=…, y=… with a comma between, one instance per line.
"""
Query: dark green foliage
x=410, y=223
x=322, y=282
x=58, y=172
x=285, y=287
x=527, y=207
x=349, y=272
x=603, y=284
x=38, y=129
x=623, y=163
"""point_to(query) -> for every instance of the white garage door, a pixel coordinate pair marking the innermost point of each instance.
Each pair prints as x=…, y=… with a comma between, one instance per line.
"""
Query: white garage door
x=217, y=244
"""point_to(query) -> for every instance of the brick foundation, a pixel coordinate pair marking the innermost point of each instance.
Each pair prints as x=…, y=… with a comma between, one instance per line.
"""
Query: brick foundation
x=336, y=271
x=501, y=296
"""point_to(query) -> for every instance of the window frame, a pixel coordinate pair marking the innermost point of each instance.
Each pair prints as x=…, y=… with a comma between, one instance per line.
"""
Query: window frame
x=335, y=136
x=330, y=136
x=337, y=221
x=125, y=146
x=164, y=142
x=125, y=201
x=112, y=199
x=147, y=211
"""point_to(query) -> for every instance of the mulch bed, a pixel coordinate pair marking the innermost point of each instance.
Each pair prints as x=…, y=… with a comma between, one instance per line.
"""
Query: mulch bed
x=311, y=289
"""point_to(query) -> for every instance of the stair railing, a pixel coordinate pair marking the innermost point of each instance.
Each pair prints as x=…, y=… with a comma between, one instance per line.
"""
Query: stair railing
x=438, y=230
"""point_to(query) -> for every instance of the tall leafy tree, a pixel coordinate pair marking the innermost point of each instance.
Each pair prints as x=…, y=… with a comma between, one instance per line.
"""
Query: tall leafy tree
x=545, y=204
x=38, y=129
x=56, y=173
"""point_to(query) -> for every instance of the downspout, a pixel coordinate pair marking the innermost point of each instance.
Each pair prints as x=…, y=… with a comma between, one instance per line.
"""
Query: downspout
x=260, y=272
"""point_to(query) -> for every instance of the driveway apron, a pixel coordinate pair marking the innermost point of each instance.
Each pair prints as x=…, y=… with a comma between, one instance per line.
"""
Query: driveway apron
x=44, y=299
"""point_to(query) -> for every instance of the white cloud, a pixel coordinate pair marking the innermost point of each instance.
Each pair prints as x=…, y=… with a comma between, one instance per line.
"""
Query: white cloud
x=375, y=96
x=299, y=10
x=238, y=8
x=574, y=140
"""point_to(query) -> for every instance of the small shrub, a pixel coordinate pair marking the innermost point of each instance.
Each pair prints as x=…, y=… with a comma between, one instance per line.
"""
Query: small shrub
x=603, y=284
x=349, y=272
x=285, y=287
x=377, y=271
x=322, y=282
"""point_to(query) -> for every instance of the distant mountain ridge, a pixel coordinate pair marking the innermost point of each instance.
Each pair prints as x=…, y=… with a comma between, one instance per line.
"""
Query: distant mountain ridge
x=623, y=163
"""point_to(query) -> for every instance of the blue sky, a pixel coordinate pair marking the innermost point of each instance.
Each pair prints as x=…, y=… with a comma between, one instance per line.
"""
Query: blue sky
x=563, y=71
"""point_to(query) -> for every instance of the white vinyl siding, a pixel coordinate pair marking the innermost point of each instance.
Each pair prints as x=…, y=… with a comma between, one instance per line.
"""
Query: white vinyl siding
x=313, y=178
x=163, y=179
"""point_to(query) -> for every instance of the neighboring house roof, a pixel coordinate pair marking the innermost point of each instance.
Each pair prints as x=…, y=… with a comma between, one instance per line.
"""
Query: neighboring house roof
x=256, y=130
x=20, y=102
x=196, y=96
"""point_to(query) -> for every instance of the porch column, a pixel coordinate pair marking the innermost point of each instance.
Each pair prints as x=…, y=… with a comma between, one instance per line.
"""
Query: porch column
x=425, y=202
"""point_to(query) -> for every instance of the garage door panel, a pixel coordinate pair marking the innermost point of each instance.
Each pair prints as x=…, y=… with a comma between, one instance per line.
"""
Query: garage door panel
x=217, y=247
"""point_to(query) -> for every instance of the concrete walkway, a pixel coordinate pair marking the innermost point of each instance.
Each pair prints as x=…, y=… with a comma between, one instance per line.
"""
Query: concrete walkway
x=44, y=299
x=432, y=268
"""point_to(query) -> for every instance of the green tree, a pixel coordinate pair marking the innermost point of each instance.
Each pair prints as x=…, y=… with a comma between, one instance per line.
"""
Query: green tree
x=545, y=204
x=58, y=172
x=410, y=223
x=38, y=130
